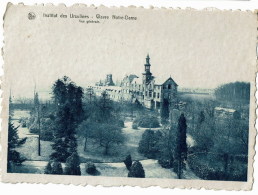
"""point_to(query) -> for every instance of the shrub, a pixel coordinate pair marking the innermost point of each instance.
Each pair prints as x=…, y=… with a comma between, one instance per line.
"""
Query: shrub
x=52, y=117
x=128, y=162
x=149, y=144
x=46, y=130
x=136, y=170
x=134, y=126
x=204, y=171
x=120, y=123
x=23, y=121
x=72, y=165
x=166, y=163
x=48, y=168
x=146, y=121
x=212, y=167
x=46, y=135
x=57, y=168
x=34, y=128
x=90, y=168
x=24, y=124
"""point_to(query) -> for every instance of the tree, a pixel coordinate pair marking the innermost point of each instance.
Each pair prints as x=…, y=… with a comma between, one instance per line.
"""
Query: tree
x=36, y=101
x=107, y=135
x=90, y=94
x=128, y=161
x=102, y=123
x=181, y=147
x=204, y=134
x=209, y=108
x=10, y=106
x=149, y=143
x=231, y=137
x=146, y=121
x=136, y=170
x=86, y=130
x=72, y=165
x=104, y=109
x=166, y=148
x=69, y=113
x=14, y=157
x=38, y=119
x=201, y=118
x=237, y=91
x=164, y=111
x=133, y=106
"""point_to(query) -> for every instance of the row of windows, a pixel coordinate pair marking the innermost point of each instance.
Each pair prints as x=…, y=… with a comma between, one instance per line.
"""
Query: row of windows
x=169, y=86
x=150, y=94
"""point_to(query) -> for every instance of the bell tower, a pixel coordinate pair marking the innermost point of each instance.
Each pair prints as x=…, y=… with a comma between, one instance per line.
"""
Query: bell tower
x=147, y=75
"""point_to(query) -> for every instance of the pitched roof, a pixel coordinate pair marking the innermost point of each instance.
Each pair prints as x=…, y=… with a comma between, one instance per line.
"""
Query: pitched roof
x=137, y=80
x=132, y=77
x=129, y=78
x=159, y=81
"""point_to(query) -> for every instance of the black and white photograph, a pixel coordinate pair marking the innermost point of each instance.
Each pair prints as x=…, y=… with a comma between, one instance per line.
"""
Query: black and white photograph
x=129, y=93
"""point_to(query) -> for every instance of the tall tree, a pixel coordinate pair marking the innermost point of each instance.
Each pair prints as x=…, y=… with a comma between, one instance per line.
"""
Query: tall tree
x=38, y=118
x=167, y=147
x=164, y=111
x=90, y=94
x=10, y=106
x=69, y=113
x=36, y=100
x=14, y=157
x=181, y=147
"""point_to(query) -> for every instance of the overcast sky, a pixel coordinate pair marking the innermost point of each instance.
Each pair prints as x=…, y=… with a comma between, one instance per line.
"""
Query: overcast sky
x=197, y=50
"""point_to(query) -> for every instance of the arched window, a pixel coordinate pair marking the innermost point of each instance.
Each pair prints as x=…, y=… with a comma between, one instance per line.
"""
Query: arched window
x=169, y=86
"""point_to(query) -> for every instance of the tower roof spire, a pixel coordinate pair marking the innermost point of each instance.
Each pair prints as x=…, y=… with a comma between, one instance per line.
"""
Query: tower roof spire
x=148, y=59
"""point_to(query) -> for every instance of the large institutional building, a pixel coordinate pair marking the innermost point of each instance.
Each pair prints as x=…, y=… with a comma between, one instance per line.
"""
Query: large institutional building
x=149, y=91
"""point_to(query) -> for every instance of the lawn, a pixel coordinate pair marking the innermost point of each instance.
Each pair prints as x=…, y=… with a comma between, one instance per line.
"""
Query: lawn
x=108, y=165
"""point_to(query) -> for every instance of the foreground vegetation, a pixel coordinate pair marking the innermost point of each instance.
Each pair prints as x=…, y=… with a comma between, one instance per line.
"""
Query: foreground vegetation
x=221, y=143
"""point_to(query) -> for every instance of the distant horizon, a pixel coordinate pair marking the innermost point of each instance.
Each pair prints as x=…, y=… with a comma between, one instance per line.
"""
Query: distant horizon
x=46, y=94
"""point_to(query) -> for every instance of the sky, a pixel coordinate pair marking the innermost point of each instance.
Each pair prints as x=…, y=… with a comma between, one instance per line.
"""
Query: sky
x=197, y=49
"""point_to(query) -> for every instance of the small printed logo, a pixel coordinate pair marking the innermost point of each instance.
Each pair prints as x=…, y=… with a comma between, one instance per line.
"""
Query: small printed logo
x=31, y=16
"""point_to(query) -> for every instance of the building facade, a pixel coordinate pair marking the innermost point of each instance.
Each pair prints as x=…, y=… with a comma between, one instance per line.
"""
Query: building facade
x=149, y=91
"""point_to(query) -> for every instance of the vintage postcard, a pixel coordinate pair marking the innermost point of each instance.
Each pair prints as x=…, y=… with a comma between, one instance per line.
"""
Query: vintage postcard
x=129, y=96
